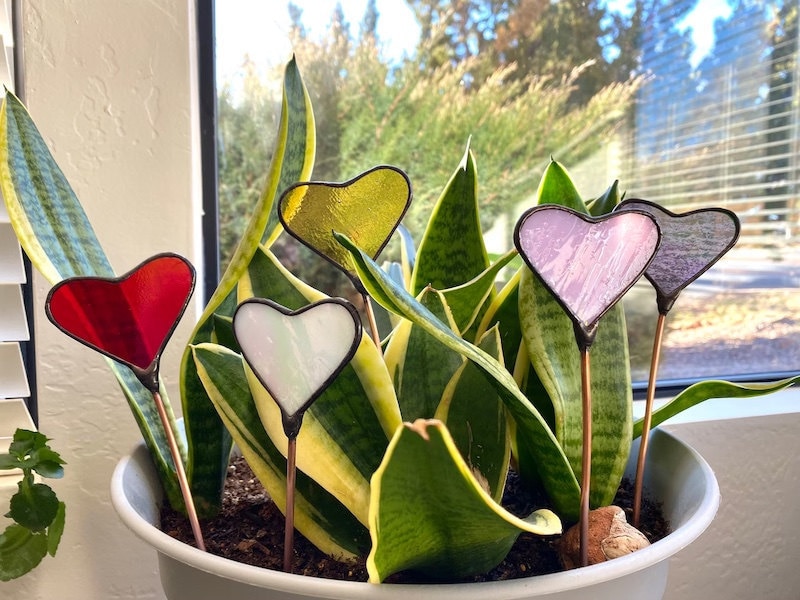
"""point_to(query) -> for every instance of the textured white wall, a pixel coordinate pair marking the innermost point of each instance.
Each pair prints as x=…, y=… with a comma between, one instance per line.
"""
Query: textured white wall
x=109, y=85
x=752, y=548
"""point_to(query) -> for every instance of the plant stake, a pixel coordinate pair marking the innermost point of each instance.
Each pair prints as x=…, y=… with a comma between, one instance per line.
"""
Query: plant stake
x=296, y=355
x=130, y=319
x=690, y=244
x=587, y=264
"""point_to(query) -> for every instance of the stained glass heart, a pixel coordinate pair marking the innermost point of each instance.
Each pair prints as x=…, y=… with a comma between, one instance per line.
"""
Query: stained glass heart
x=296, y=354
x=129, y=318
x=691, y=243
x=367, y=209
x=587, y=263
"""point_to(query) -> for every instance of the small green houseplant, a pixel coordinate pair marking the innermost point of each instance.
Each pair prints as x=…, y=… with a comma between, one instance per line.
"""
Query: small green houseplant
x=492, y=375
x=37, y=514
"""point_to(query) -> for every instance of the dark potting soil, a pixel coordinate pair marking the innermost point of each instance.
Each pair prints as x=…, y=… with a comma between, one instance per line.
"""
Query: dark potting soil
x=249, y=529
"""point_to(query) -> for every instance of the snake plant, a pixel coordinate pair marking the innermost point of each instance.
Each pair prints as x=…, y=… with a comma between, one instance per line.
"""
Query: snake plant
x=404, y=458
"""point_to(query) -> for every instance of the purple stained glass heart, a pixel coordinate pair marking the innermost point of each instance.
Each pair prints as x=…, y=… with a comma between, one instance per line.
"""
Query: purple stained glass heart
x=691, y=243
x=587, y=263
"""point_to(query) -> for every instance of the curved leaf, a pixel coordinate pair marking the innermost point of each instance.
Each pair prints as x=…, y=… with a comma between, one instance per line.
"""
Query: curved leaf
x=430, y=515
x=705, y=390
x=532, y=430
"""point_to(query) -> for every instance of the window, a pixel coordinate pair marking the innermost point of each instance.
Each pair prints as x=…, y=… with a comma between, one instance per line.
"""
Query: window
x=688, y=103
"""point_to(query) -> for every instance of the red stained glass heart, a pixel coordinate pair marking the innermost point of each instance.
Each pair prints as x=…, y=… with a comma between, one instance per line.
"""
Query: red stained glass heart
x=129, y=318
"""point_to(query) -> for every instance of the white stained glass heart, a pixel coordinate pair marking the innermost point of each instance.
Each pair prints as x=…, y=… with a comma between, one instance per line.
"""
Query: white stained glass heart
x=587, y=263
x=296, y=354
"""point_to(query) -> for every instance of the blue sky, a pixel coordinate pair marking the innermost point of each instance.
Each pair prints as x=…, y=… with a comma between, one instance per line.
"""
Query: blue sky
x=259, y=27
x=262, y=33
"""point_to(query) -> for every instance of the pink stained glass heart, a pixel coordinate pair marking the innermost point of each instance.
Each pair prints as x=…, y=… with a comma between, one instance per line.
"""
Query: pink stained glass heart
x=296, y=354
x=129, y=318
x=587, y=263
x=691, y=243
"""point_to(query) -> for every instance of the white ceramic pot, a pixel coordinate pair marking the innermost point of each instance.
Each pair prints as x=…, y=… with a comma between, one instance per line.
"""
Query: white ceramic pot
x=677, y=476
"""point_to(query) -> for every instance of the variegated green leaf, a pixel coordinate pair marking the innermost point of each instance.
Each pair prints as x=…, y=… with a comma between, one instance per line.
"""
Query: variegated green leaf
x=428, y=514
x=550, y=341
x=552, y=349
x=478, y=422
x=452, y=251
x=556, y=187
x=420, y=366
x=42, y=207
x=293, y=159
x=532, y=430
x=468, y=301
x=706, y=390
x=325, y=521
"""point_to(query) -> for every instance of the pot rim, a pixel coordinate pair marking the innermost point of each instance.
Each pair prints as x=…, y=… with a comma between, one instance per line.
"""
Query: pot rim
x=700, y=518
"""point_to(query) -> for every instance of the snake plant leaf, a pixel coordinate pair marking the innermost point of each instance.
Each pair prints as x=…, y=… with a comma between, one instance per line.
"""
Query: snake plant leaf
x=706, y=390
x=469, y=301
x=550, y=340
x=605, y=203
x=532, y=430
x=42, y=207
x=452, y=251
x=209, y=442
x=549, y=336
x=326, y=522
x=557, y=187
x=420, y=366
x=428, y=514
x=503, y=311
x=477, y=420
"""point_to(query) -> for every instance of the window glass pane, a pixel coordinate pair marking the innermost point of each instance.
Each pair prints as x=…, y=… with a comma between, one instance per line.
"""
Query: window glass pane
x=688, y=103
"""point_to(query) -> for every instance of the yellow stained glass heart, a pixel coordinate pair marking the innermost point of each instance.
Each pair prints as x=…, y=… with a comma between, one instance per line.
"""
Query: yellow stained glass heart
x=367, y=209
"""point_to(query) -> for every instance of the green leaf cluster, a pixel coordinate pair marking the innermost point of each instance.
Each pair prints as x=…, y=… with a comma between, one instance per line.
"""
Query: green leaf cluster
x=38, y=515
x=404, y=457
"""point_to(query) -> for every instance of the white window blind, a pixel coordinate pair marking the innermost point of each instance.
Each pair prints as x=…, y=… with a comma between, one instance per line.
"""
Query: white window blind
x=722, y=128
x=14, y=329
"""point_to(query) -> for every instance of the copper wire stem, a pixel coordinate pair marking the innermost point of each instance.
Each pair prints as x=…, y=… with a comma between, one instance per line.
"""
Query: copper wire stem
x=586, y=459
x=648, y=420
x=288, y=534
x=183, y=482
x=373, y=324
